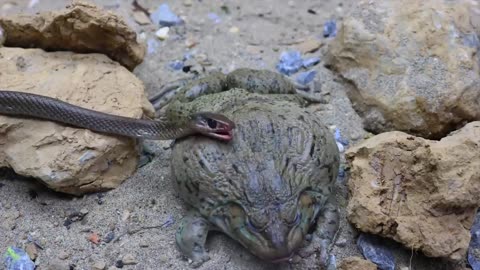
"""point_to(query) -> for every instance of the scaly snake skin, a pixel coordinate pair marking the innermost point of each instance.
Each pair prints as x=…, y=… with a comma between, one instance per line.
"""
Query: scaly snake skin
x=35, y=106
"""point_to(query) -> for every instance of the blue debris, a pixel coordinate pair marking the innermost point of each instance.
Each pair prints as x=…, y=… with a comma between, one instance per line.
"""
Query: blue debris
x=165, y=17
x=168, y=222
x=214, y=17
x=330, y=29
x=17, y=259
x=332, y=263
x=309, y=62
x=306, y=77
x=187, y=56
x=339, y=138
x=473, y=255
x=374, y=250
x=471, y=40
x=341, y=172
x=176, y=65
x=290, y=62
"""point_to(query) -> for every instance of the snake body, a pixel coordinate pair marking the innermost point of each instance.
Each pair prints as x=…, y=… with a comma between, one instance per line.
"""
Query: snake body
x=22, y=104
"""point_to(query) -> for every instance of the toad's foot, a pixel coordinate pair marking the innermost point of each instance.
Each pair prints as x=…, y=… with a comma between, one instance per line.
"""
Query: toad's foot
x=323, y=236
x=191, y=237
x=327, y=228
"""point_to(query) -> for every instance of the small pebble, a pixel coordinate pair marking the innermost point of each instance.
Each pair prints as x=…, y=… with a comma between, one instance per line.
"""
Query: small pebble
x=214, y=17
x=330, y=29
x=309, y=45
x=234, y=30
x=125, y=215
x=143, y=245
x=99, y=265
x=32, y=251
x=129, y=259
x=190, y=43
x=109, y=237
x=63, y=255
x=162, y=33
x=141, y=18
x=176, y=65
x=119, y=264
x=341, y=242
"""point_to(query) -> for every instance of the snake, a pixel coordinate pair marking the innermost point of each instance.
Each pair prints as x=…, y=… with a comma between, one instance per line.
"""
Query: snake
x=28, y=105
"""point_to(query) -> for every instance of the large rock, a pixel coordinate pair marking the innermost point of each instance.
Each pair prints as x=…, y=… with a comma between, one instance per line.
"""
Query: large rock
x=421, y=193
x=68, y=159
x=414, y=64
x=81, y=28
x=356, y=263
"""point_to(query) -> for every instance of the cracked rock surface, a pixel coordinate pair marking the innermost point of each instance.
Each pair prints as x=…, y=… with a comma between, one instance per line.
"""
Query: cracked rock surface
x=421, y=193
x=76, y=28
x=67, y=159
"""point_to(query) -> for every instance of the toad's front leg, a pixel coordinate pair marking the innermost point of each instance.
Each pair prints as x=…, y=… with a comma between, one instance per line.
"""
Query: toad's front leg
x=191, y=237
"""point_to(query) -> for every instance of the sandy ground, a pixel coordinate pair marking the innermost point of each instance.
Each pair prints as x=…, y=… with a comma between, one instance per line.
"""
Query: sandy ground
x=265, y=28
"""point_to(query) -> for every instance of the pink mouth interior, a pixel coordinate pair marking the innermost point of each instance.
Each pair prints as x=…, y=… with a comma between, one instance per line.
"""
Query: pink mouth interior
x=223, y=135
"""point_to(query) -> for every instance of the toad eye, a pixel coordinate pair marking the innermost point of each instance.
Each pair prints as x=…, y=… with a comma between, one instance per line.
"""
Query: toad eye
x=212, y=123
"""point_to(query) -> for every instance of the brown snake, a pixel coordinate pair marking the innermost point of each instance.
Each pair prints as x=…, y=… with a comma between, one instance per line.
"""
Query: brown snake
x=20, y=104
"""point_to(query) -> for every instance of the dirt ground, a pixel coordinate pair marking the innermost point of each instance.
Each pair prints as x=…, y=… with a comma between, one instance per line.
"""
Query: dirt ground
x=30, y=212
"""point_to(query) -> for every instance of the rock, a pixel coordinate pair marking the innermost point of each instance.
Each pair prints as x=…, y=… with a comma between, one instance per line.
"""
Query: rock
x=81, y=27
x=309, y=45
x=141, y=18
x=63, y=255
x=67, y=159
x=233, y=30
x=99, y=265
x=373, y=248
x=32, y=251
x=129, y=259
x=57, y=265
x=413, y=65
x=356, y=263
x=421, y=193
x=162, y=33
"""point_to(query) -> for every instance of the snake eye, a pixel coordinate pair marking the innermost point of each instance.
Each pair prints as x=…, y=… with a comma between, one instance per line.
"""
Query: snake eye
x=212, y=123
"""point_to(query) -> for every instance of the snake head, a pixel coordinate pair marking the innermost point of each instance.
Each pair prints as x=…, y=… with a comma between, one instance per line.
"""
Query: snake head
x=213, y=125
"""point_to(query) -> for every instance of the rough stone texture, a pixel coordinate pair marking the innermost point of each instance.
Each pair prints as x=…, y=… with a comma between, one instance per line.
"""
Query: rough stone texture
x=356, y=263
x=68, y=159
x=414, y=64
x=421, y=193
x=81, y=28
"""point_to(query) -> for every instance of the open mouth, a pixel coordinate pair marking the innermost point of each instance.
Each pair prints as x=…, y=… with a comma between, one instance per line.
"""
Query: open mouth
x=225, y=135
